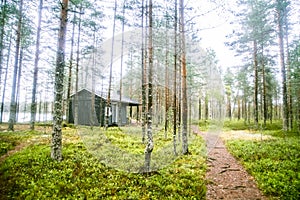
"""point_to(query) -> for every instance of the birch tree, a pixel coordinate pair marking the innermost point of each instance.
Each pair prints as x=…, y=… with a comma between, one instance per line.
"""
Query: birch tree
x=150, y=143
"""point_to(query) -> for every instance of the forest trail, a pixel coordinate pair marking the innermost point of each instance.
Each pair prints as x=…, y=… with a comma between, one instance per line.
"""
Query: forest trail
x=226, y=178
x=45, y=138
x=11, y=152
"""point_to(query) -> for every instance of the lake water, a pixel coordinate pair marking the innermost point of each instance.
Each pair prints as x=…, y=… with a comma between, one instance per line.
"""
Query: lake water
x=25, y=117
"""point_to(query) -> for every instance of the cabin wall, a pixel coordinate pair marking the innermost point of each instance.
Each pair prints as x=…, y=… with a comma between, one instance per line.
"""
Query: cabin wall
x=86, y=113
x=95, y=116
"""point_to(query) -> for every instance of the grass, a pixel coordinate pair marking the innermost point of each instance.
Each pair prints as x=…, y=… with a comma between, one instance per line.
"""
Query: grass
x=274, y=128
x=274, y=163
x=32, y=174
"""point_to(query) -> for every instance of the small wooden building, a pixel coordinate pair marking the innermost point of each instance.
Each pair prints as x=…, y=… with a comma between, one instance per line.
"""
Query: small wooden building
x=91, y=109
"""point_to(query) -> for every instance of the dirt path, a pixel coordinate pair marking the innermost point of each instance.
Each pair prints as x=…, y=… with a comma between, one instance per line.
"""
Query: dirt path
x=34, y=140
x=226, y=177
x=16, y=149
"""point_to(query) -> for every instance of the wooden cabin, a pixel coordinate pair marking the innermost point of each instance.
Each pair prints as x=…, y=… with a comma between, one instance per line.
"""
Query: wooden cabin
x=91, y=109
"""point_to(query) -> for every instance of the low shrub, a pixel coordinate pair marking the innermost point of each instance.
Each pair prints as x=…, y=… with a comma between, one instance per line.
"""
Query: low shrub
x=274, y=164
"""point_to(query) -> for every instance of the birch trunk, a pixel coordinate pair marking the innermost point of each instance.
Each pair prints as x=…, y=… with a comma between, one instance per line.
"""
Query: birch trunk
x=150, y=143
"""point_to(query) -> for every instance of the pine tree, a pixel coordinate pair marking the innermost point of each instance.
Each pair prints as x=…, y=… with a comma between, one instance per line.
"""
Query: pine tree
x=35, y=72
x=13, y=104
x=184, y=82
x=56, y=146
x=281, y=13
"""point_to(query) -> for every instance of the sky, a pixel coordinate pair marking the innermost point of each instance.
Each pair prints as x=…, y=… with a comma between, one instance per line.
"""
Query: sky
x=214, y=27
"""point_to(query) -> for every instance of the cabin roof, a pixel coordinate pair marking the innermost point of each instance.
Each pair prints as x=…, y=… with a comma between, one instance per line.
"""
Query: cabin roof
x=114, y=97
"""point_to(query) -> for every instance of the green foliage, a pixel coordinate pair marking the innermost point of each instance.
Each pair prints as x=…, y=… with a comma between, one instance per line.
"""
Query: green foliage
x=273, y=163
x=32, y=174
x=238, y=125
x=5, y=146
x=274, y=128
x=8, y=140
x=203, y=125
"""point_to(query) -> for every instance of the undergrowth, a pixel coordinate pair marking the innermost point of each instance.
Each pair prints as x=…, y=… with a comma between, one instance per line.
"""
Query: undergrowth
x=8, y=139
x=274, y=128
x=32, y=174
x=274, y=163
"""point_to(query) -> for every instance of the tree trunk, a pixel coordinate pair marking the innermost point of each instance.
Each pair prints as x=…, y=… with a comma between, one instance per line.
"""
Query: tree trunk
x=56, y=146
x=249, y=112
x=239, y=108
x=167, y=82
x=35, y=71
x=245, y=109
x=229, y=105
x=255, y=83
x=144, y=80
x=298, y=110
x=167, y=79
x=200, y=109
x=121, y=70
x=280, y=16
x=150, y=144
x=108, y=103
x=184, y=84
x=265, y=106
x=19, y=82
x=175, y=81
x=3, y=18
x=92, y=109
x=271, y=109
x=12, y=114
x=77, y=69
x=68, y=100
x=206, y=107
x=5, y=79
x=289, y=82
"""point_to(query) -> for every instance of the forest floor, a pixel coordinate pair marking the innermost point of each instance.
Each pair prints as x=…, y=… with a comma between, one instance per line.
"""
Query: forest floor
x=226, y=178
